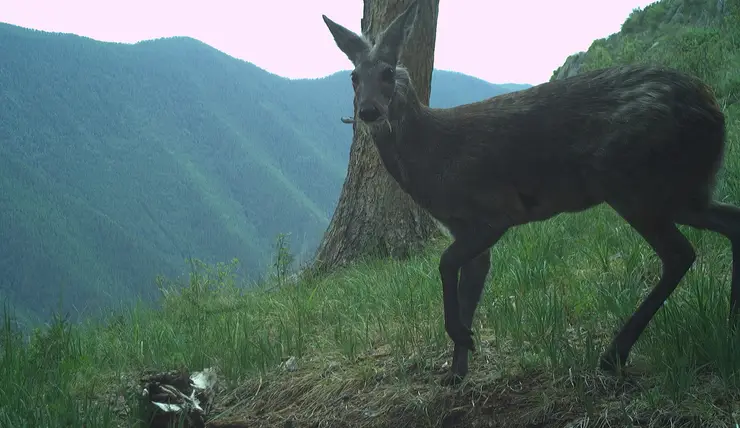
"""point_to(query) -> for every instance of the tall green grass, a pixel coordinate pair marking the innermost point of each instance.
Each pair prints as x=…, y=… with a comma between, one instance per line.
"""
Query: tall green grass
x=557, y=292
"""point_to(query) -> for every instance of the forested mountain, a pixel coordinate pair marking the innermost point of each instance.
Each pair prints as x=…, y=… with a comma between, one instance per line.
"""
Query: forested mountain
x=119, y=161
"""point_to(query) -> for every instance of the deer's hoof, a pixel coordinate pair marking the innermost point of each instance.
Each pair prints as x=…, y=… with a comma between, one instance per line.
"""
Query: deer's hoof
x=451, y=379
x=610, y=362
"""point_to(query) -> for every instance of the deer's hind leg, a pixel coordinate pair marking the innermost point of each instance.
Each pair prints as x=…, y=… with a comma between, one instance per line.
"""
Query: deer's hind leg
x=676, y=254
x=725, y=220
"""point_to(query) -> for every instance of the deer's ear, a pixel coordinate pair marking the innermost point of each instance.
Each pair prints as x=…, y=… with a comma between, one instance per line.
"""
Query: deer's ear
x=354, y=46
x=391, y=41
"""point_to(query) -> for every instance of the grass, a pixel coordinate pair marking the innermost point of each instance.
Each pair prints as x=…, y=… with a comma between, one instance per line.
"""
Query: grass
x=370, y=343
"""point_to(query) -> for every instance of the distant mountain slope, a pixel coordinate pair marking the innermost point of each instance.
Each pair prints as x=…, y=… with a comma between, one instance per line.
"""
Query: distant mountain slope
x=118, y=161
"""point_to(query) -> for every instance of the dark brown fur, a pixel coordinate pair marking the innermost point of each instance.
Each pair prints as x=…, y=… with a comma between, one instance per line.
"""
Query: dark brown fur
x=647, y=141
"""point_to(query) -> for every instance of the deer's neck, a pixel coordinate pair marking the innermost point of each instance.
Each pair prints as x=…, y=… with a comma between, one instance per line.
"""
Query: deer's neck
x=404, y=142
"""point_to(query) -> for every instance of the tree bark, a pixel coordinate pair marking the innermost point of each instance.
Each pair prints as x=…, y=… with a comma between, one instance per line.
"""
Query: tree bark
x=374, y=217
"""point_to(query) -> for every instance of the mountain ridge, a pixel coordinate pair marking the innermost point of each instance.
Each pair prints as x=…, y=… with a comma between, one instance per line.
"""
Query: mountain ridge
x=120, y=161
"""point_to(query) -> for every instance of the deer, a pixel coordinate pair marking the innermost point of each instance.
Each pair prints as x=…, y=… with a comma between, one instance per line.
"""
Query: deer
x=645, y=140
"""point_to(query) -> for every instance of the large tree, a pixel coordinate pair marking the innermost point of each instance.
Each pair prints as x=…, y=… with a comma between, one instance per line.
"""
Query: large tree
x=374, y=217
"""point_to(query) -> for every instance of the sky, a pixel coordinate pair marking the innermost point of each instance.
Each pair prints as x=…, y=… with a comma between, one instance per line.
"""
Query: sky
x=501, y=41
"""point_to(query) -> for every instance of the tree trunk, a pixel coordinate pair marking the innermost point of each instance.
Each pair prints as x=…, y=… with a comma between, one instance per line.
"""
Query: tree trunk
x=374, y=217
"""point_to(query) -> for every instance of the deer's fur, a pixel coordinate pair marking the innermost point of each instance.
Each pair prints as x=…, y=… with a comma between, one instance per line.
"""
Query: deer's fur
x=648, y=141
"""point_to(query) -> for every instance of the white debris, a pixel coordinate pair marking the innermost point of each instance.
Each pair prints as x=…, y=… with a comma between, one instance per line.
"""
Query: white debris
x=176, y=393
x=291, y=365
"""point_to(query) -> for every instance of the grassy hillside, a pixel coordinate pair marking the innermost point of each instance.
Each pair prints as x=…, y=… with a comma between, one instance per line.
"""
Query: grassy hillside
x=699, y=37
x=370, y=343
x=118, y=162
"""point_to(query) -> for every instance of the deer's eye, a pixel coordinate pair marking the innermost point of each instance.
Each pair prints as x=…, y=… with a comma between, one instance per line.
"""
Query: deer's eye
x=388, y=75
x=353, y=76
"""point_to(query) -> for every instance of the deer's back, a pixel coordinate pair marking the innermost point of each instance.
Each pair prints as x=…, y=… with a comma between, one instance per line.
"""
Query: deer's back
x=627, y=132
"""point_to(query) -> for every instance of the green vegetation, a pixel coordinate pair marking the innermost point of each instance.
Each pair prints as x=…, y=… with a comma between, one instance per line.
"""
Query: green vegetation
x=119, y=162
x=373, y=336
x=369, y=339
x=694, y=36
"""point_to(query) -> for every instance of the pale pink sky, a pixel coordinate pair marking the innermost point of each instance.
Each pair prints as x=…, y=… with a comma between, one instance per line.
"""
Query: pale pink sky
x=499, y=41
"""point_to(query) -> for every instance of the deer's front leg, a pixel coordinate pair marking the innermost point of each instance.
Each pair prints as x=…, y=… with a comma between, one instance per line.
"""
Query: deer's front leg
x=469, y=243
x=472, y=281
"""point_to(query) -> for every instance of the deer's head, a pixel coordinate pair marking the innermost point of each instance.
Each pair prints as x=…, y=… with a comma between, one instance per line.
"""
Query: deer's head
x=374, y=77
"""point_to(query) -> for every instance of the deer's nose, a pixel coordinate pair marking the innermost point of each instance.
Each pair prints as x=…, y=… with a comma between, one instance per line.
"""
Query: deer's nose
x=369, y=113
